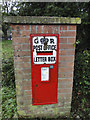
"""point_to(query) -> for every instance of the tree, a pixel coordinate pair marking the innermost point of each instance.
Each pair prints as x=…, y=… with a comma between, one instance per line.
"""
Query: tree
x=64, y=9
x=7, y=9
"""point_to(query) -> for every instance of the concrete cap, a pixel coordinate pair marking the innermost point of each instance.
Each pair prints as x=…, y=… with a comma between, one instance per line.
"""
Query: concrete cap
x=40, y=20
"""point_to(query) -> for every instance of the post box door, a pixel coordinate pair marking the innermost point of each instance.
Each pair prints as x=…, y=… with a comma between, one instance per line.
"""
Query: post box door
x=44, y=68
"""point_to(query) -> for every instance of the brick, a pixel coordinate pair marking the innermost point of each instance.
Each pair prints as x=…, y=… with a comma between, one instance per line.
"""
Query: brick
x=28, y=92
x=44, y=28
x=68, y=33
x=19, y=90
x=22, y=59
x=66, y=64
x=39, y=28
x=71, y=40
x=27, y=70
x=18, y=59
x=62, y=52
x=28, y=87
x=65, y=90
x=71, y=52
x=25, y=47
x=63, y=27
x=65, y=80
x=26, y=76
x=27, y=59
x=50, y=29
x=25, y=33
x=65, y=85
x=21, y=53
x=62, y=69
x=27, y=102
x=67, y=104
x=33, y=29
x=66, y=58
x=18, y=76
x=67, y=96
x=61, y=95
x=19, y=82
x=27, y=98
x=27, y=83
x=23, y=71
x=19, y=98
x=65, y=75
x=63, y=40
x=17, y=47
x=72, y=27
x=68, y=100
x=26, y=27
x=61, y=99
x=66, y=46
x=22, y=65
x=55, y=29
x=17, y=27
x=20, y=40
x=18, y=72
x=67, y=52
x=25, y=65
x=16, y=33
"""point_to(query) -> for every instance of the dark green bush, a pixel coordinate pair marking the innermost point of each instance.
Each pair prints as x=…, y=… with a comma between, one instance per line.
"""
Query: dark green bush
x=8, y=77
x=80, y=102
x=8, y=89
x=8, y=102
x=82, y=72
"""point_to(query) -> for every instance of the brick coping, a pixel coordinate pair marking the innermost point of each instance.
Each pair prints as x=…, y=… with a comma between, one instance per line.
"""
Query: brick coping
x=40, y=20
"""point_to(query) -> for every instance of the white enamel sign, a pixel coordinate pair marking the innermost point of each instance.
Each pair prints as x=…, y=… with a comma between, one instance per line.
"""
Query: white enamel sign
x=44, y=49
x=45, y=74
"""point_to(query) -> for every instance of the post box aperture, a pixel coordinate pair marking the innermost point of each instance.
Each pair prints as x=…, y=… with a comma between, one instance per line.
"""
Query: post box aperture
x=44, y=67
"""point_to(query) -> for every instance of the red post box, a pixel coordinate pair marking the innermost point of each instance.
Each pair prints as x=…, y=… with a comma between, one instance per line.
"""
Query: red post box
x=44, y=68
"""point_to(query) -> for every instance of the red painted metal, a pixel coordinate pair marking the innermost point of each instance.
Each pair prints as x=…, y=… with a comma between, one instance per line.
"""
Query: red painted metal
x=44, y=92
x=45, y=53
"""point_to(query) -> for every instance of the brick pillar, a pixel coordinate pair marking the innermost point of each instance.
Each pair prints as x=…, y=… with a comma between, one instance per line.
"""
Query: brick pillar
x=22, y=61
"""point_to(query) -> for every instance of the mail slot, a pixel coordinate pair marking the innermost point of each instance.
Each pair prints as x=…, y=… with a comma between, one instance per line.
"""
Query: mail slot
x=44, y=68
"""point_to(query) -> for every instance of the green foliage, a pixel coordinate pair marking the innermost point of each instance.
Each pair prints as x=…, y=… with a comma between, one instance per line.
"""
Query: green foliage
x=8, y=77
x=60, y=9
x=83, y=37
x=82, y=72
x=7, y=49
x=8, y=102
x=65, y=9
x=80, y=102
x=8, y=81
